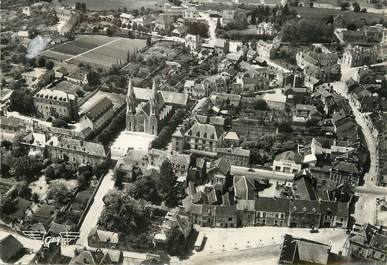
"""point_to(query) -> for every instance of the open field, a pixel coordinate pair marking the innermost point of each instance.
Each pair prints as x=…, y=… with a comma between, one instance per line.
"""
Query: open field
x=95, y=50
x=349, y=16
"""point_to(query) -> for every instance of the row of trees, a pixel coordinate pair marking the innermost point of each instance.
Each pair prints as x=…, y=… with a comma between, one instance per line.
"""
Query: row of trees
x=165, y=134
x=115, y=126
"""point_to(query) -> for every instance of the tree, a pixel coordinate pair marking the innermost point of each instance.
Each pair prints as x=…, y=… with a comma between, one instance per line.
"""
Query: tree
x=344, y=6
x=149, y=41
x=42, y=61
x=167, y=177
x=93, y=78
x=311, y=4
x=197, y=28
x=59, y=123
x=7, y=205
x=59, y=192
x=144, y=187
x=50, y=173
x=119, y=178
x=363, y=10
x=109, y=31
x=285, y=127
x=260, y=104
x=356, y=7
x=50, y=65
x=176, y=244
x=21, y=100
x=21, y=189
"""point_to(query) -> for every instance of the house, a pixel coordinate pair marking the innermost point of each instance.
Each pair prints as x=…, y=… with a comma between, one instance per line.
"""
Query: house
x=276, y=101
x=196, y=89
x=193, y=42
x=176, y=218
x=126, y=18
x=202, y=137
x=11, y=249
x=12, y=125
x=271, y=211
x=220, y=46
x=164, y=22
x=36, y=143
x=98, y=114
x=266, y=50
x=359, y=56
x=244, y=188
x=75, y=151
x=99, y=258
x=289, y=162
x=231, y=139
x=225, y=216
x=43, y=214
x=102, y=239
x=78, y=77
x=55, y=103
x=303, y=251
x=368, y=244
x=236, y=155
x=303, y=213
x=345, y=172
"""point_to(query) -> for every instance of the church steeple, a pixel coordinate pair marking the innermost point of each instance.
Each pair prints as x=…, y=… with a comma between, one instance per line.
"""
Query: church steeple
x=153, y=99
x=131, y=98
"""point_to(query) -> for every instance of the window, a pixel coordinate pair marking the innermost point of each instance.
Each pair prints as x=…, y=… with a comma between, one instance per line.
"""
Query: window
x=263, y=214
x=230, y=218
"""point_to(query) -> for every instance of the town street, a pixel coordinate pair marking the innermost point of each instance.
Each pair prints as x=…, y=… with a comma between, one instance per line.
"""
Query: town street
x=96, y=208
x=365, y=211
x=261, y=173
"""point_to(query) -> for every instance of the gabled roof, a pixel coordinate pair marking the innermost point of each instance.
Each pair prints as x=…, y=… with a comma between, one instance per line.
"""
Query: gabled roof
x=289, y=156
x=268, y=204
x=9, y=248
x=346, y=167
x=244, y=188
x=98, y=108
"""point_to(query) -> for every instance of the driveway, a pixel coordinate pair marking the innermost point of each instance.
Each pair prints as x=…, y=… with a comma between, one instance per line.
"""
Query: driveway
x=96, y=208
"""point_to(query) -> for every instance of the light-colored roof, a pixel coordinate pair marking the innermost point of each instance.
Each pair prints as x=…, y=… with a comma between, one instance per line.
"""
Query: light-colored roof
x=313, y=252
x=169, y=97
x=89, y=148
x=231, y=136
x=203, y=131
x=276, y=97
x=127, y=16
x=54, y=94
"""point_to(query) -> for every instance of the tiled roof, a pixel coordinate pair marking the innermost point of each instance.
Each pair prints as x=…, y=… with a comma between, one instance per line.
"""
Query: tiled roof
x=89, y=148
x=98, y=108
x=54, y=94
x=289, y=155
x=203, y=131
x=271, y=204
x=346, y=167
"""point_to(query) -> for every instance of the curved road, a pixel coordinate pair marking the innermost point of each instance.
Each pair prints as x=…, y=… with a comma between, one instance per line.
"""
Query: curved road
x=365, y=211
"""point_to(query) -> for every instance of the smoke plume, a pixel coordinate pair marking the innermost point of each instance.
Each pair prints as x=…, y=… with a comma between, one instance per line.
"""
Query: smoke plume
x=37, y=45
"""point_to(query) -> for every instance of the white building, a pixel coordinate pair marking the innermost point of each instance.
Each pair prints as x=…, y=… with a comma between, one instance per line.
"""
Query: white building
x=275, y=101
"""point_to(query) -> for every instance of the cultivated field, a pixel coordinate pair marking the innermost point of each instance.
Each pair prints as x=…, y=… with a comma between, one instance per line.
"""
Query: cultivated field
x=95, y=50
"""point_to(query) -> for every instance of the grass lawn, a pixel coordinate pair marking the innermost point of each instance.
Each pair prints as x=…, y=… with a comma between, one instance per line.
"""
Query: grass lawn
x=349, y=16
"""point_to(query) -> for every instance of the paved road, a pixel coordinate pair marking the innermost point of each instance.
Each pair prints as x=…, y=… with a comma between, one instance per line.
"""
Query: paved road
x=252, y=255
x=95, y=210
x=365, y=211
x=261, y=173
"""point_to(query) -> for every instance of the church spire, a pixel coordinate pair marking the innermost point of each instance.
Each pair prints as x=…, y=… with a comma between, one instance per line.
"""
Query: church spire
x=130, y=98
x=154, y=91
x=130, y=88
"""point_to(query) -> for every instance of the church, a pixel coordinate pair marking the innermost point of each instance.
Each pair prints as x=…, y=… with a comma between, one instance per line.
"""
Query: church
x=148, y=110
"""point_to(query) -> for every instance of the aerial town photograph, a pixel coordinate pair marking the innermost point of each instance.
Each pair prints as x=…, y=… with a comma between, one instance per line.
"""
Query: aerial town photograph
x=193, y=132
